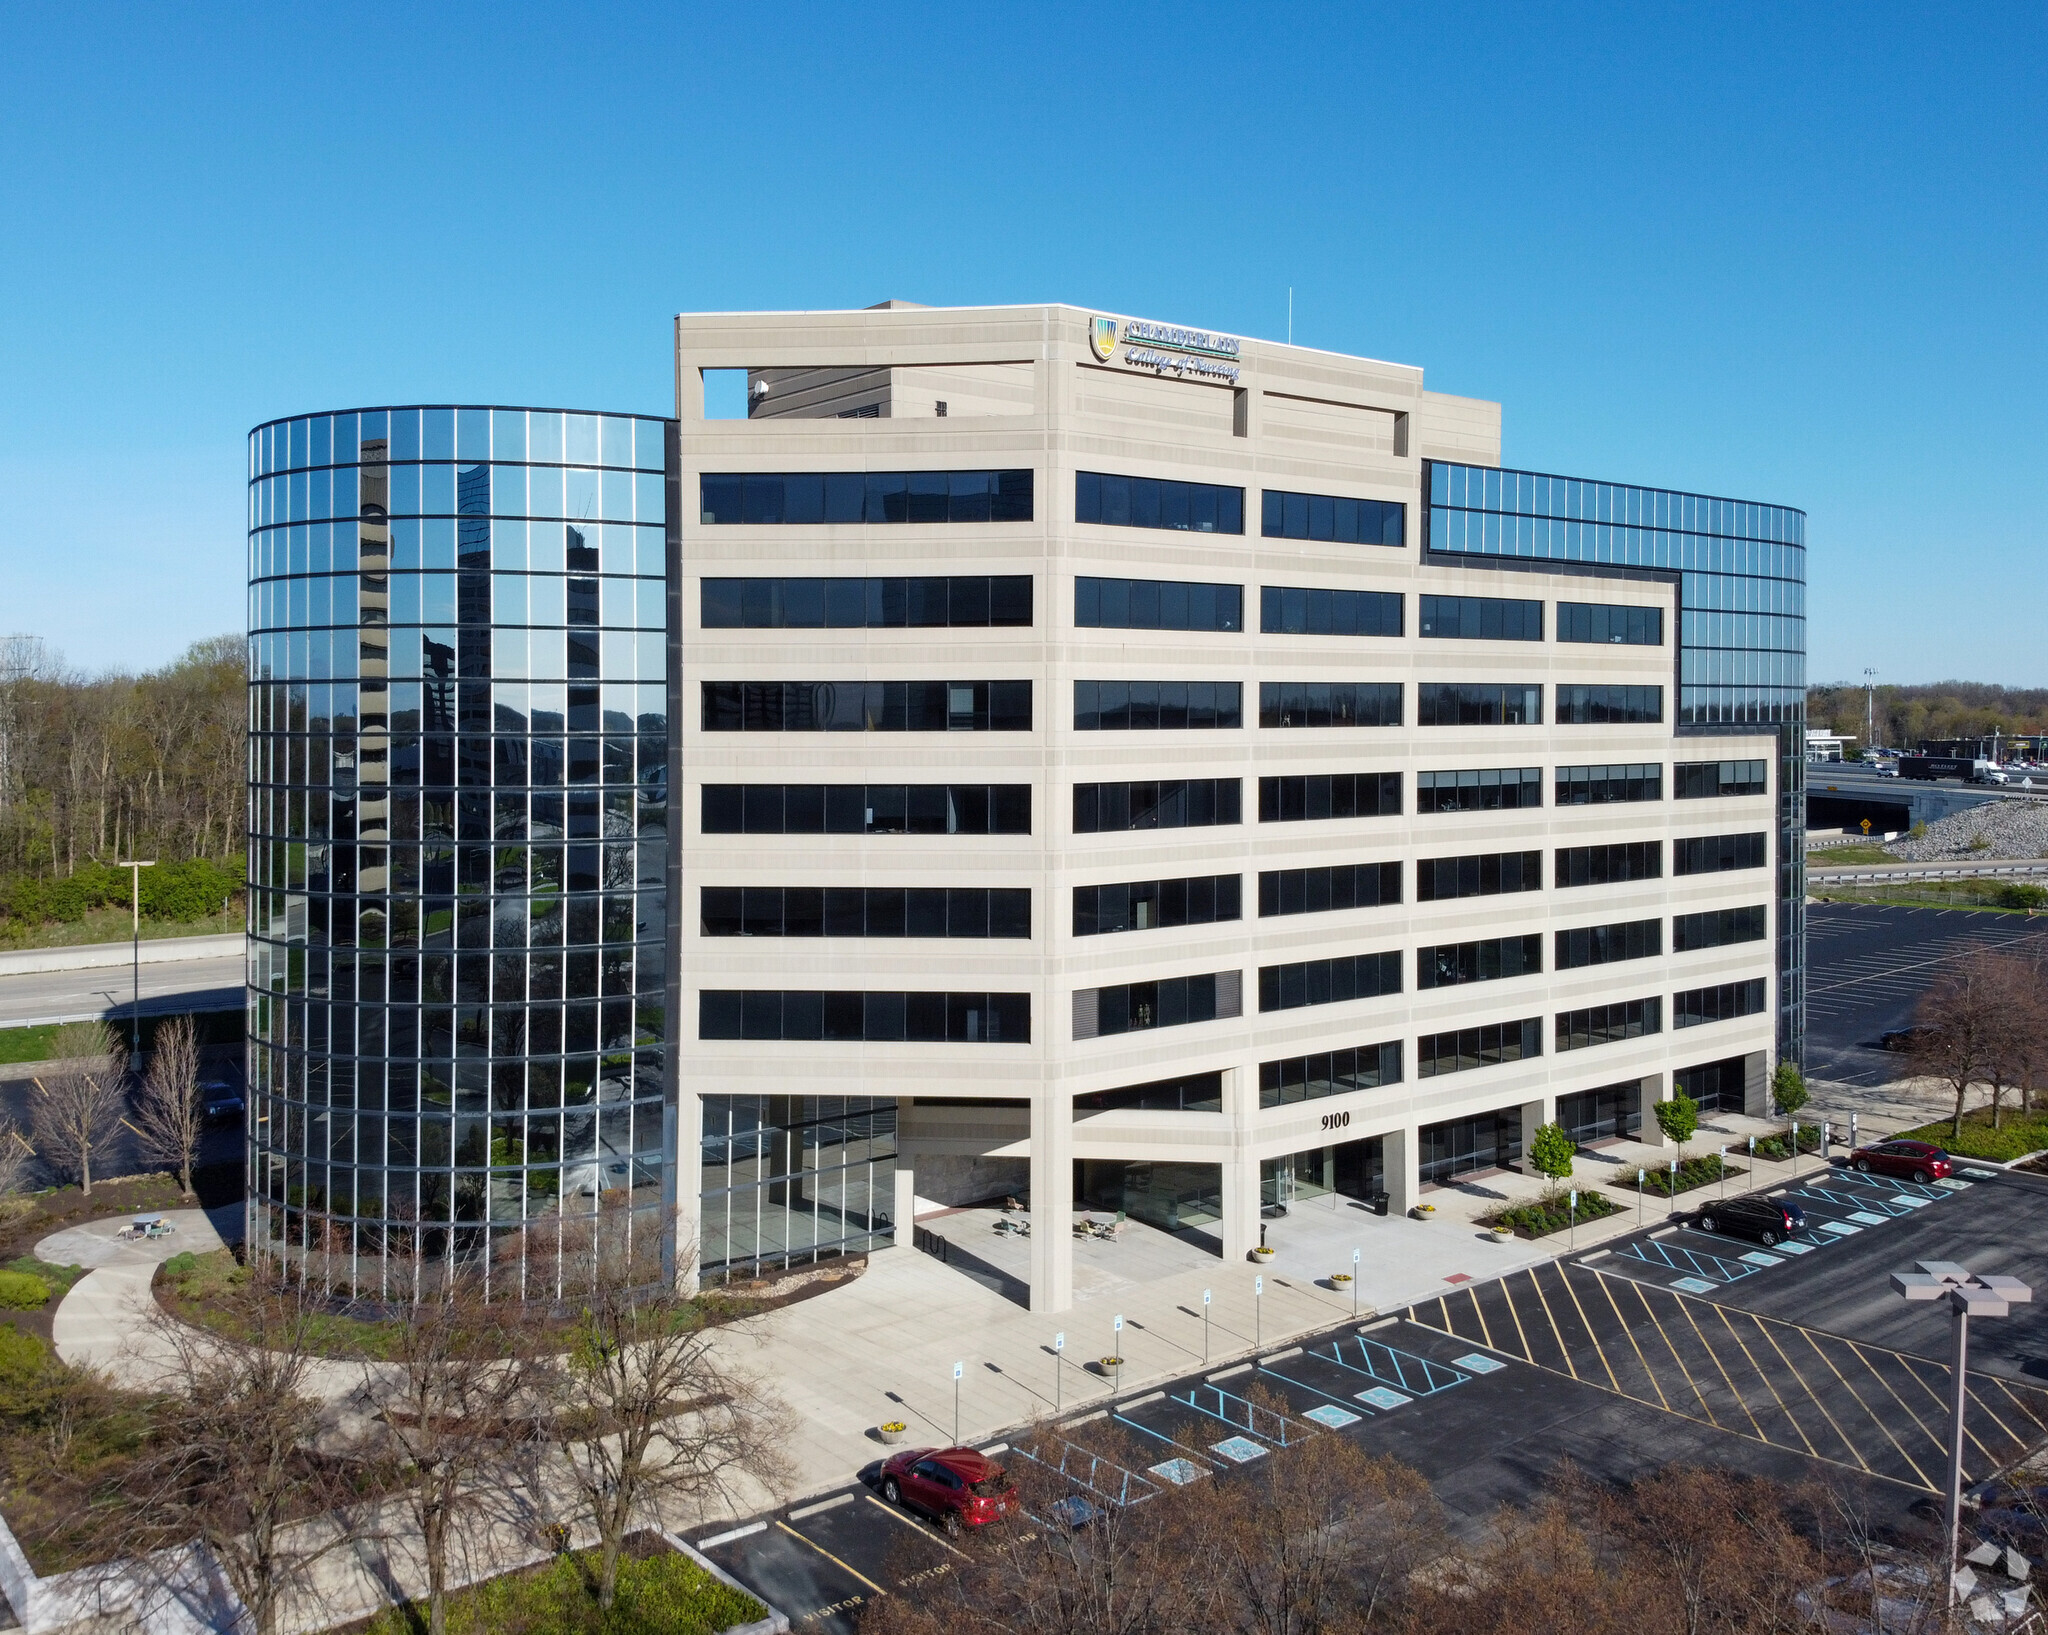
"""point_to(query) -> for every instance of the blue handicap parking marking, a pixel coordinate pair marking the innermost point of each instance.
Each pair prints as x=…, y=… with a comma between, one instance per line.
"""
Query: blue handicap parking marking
x=1953, y=1185
x=1975, y=1175
x=1380, y=1397
x=1913, y=1200
x=1331, y=1415
x=1866, y=1218
x=1239, y=1450
x=1695, y=1285
x=1791, y=1246
x=1180, y=1472
x=1839, y=1229
x=1479, y=1364
x=1756, y=1257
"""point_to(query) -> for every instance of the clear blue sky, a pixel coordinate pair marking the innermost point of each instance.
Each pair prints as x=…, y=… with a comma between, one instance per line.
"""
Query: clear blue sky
x=1786, y=253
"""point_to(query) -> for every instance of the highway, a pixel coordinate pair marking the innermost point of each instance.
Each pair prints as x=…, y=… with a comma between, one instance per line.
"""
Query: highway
x=104, y=990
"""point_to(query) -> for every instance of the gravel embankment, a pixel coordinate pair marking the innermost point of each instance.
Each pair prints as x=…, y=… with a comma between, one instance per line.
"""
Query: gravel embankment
x=2006, y=829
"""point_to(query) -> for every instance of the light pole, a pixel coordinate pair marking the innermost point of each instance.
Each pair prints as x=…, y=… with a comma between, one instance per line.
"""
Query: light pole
x=1968, y=1296
x=1869, y=707
x=135, y=932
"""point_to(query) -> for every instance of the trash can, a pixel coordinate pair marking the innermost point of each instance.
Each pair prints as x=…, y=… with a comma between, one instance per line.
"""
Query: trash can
x=1379, y=1203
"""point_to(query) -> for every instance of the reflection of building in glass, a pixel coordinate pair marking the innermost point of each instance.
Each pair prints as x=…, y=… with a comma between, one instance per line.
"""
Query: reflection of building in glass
x=457, y=842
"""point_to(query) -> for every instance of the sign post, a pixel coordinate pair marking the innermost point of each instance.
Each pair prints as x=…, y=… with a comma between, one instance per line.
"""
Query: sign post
x=1571, y=1236
x=1059, y=1345
x=1258, y=1311
x=1642, y=1186
x=1205, y=1328
x=958, y=1370
x=1116, y=1350
x=1354, y=1285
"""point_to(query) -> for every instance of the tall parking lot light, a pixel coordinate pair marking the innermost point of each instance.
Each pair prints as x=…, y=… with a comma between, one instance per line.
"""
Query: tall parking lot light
x=1968, y=1296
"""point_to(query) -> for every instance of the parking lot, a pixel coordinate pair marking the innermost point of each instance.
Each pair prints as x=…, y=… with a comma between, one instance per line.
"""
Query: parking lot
x=1669, y=1345
x=1867, y=966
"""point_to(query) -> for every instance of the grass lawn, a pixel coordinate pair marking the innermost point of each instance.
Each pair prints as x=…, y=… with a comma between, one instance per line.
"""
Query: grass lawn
x=1843, y=856
x=27, y=1044
x=2018, y=1135
x=111, y=925
x=1991, y=896
x=661, y=1592
x=190, y=1287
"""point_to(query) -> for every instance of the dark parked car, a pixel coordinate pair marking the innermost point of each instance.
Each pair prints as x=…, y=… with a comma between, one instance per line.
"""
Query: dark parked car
x=222, y=1106
x=956, y=1487
x=1768, y=1220
x=1902, y=1038
x=1920, y=1161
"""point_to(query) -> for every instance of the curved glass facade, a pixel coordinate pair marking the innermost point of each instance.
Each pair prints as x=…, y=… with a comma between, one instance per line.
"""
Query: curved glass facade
x=458, y=854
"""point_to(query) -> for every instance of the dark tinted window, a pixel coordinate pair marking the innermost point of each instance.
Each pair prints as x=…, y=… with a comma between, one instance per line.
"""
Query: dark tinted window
x=1450, y=964
x=1486, y=1046
x=872, y=706
x=1156, y=604
x=1329, y=795
x=1703, y=780
x=1290, y=612
x=1482, y=618
x=1487, y=874
x=1286, y=515
x=958, y=1018
x=838, y=604
x=865, y=911
x=1151, y=905
x=1479, y=789
x=1606, y=622
x=1609, y=706
x=1715, y=854
x=1609, y=1024
x=1118, y=706
x=1172, y=1002
x=1717, y=1004
x=1718, y=927
x=1605, y=785
x=1608, y=944
x=1477, y=704
x=1157, y=502
x=874, y=496
x=1317, y=891
x=875, y=809
x=1328, y=981
x=1608, y=865
x=1329, y=1073
x=1195, y=1093
x=1329, y=703
x=1191, y=803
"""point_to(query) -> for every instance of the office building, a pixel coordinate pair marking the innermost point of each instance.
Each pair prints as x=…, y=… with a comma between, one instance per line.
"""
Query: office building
x=1108, y=764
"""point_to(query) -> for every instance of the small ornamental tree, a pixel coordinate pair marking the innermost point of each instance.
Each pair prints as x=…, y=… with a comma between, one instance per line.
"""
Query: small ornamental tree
x=1552, y=1151
x=1679, y=1119
x=1788, y=1089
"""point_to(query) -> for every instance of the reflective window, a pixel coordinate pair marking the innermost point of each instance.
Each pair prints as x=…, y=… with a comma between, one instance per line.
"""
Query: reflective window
x=1493, y=959
x=1329, y=703
x=1610, y=622
x=1708, y=780
x=1479, y=789
x=1116, y=706
x=1190, y=803
x=1321, y=890
x=1716, y=928
x=1609, y=1024
x=1606, y=785
x=1486, y=1046
x=813, y=604
x=1329, y=1073
x=1482, y=618
x=1157, y=502
x=1291, y=612
x=873, y=706
x=864, y=911
x=866, y=809
x=1328, y=981
x=1285, y=515
x=1193, y=1093
x=874, y=497
x=1609, y=944
x=1487, y=874
x=1329, y=795
x=1150, y=905
x=752, y=1219
x=925, y=1018
x=1477, y=704
x=1714, y=854
x=1721, y=1003
x=1156, y=604
x=1609, y=706
x=1171, y=1002
x=1719, y=1087
x=1609, y=865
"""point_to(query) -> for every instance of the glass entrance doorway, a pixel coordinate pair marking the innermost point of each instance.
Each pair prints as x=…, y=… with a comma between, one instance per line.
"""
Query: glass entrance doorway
x=1350, y=1169
x=1168, y=1196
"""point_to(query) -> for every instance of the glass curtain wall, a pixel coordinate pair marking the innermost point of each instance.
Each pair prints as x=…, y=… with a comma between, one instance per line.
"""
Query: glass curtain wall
x=790, y=1179
x=457, y=847
x=1741, y=571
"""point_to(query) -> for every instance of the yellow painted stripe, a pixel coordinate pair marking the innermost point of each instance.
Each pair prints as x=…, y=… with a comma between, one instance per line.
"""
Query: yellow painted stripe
x=829, y=1556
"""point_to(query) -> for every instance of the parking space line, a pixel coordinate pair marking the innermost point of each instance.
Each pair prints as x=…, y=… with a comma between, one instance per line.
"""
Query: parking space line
x=1555, y=1333
x=1770, y=1384
x=829, y=1556
x=1941, y=1402
x=2018, y=1402
x=1599, y=1350
x=1874, y=1417
x=1689, y=1380
x=1485, y=1334
x=1727, y=1378
x=1649, y=1373
x=913, y=1524
x=1814, y=1397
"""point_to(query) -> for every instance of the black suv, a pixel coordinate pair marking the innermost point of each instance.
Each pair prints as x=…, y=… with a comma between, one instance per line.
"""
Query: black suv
x=1768, y=1220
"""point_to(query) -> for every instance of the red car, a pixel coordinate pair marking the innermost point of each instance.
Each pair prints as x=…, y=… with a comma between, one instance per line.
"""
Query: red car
x=956, y=1487
x=1920, y=1161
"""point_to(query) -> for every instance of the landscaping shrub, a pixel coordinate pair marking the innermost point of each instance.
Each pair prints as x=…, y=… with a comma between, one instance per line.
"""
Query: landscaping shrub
x=2022, y=1133
x=1693, y=1172
x=181, y=1264
x=2022, y=897
x=20, y=1291
x=1778, y=1146
x=1552, y=1214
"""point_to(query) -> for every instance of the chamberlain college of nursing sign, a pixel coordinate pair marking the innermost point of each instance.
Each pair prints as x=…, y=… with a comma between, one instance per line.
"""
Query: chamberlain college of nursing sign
x=1165, y=349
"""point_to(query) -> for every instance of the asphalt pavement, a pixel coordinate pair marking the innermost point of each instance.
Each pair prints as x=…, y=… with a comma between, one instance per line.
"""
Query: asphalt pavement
x=106, y=990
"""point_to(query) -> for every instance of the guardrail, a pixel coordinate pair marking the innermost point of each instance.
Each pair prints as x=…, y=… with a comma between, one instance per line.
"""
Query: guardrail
x=1878, y=873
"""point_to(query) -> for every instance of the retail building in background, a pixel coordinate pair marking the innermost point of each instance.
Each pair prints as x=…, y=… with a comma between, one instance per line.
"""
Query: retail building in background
x=1029, y=753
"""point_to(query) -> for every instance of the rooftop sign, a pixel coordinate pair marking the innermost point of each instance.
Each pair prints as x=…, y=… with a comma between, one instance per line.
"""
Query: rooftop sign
x=1165, y=349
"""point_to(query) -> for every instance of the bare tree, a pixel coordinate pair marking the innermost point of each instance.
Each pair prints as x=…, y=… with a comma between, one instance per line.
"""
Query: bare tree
x=78, y=1103
x=2020, y=1060
x=232, y=1461
x=15, y=1156
x=169, y=1117
x=647, y=1409
x=1959, y=1023
x=460, y=1415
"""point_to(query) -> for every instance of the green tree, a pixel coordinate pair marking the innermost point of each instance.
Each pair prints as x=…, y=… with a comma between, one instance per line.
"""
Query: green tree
x=1788, y=1089
x=1552, y=1151
x=1679, y=1119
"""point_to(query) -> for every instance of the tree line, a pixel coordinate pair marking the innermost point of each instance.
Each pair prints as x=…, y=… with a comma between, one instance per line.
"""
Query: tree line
x=97, y=768
x=1907, y=716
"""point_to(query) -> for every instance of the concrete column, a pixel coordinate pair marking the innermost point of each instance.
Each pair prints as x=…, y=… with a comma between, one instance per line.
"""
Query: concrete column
x=1756, y=1084
x=1398, y=1151
x=688, y=1179
x=1655, y=1087
x=1240, y=1205
x=1535, y=1114
x=1052, y=1201
x=904, y=1209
